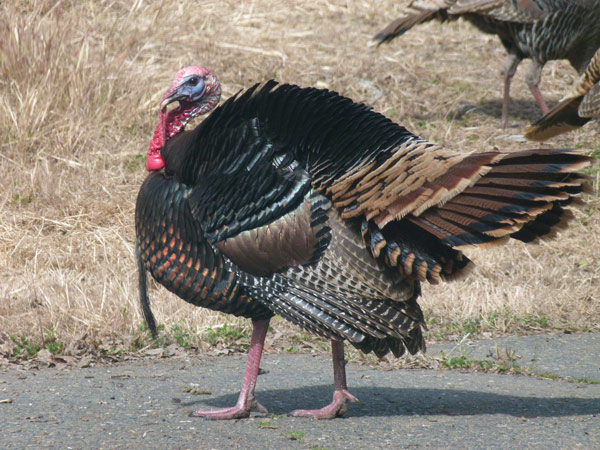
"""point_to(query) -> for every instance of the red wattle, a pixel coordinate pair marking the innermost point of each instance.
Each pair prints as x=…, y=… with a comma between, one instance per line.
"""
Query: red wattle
x=154, y=162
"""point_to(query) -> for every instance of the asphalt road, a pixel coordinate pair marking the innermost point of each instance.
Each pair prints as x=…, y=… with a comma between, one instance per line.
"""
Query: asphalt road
x=142, y=405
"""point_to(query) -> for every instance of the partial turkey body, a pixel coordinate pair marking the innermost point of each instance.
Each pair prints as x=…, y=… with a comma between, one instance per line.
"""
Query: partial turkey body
x=300, y=202
x=542, y=30
x=577, y=109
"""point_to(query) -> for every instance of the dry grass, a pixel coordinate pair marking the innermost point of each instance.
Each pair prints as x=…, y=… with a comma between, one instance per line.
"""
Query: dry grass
x=79, y=87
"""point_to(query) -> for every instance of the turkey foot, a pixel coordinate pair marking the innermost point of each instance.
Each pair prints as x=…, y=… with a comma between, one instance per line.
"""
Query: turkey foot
x=240, y=411
x=341, y=396
x=246, y=401
x=336, y=408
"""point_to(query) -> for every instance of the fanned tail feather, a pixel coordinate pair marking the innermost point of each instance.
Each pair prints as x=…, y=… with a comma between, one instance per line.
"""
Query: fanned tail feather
x=520, y=195
x=562, y=118
x=416, y=13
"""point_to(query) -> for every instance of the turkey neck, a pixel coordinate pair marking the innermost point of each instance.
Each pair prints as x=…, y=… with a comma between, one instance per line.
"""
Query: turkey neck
x=178, y=118
x=174, y=122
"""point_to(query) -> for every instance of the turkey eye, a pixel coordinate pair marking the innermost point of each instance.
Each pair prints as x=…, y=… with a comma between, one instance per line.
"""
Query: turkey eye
x=193, y=81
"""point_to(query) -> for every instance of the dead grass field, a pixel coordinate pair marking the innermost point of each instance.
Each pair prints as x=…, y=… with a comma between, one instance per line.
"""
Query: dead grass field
x=80, y=83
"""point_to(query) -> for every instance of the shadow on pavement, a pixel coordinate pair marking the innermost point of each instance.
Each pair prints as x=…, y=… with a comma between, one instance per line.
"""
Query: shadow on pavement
x=387, y=402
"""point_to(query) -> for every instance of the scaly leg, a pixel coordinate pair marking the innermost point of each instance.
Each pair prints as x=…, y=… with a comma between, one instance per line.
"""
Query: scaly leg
x=510, y=67
x=246, y=400
x=341, y=396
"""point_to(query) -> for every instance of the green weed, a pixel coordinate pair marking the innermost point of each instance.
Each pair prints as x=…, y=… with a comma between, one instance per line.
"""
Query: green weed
x=24, y=348
x=224, y=333
x=266, y=424
x=51, y=343
x=182, y=336
x=585, y=380
x=295, y=436
x=30, y=347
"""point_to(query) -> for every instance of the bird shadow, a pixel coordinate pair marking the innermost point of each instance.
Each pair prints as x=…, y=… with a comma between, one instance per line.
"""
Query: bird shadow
x=520, y=110
x=386, y=402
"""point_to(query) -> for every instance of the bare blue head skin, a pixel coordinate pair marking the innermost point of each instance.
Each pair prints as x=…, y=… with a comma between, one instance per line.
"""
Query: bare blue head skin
x=190, y=89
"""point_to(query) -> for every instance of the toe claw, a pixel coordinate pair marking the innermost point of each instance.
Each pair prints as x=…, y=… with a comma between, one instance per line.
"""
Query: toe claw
x=337, y=408
x=261, y=408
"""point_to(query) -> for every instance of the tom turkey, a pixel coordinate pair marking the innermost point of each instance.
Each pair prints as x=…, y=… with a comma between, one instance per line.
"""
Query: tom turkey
x=542, y=30
x=577, y=109
x=299, y=202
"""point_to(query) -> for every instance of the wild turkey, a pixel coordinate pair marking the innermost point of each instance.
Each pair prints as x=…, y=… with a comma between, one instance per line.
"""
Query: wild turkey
x=542, y=30
x=300, y=202
x=578, y=108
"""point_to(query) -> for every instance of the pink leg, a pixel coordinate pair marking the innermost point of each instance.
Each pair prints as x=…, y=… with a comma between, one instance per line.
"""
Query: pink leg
x=533, y=80
x=246, y=400
x=535, y=90
x=341, y=396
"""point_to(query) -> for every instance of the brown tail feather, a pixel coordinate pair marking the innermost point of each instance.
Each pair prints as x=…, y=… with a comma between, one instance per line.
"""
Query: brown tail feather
x=562, y=118
x=581, y=105
x=413, y=15
x=545, y=225
x=521, y=196
x=503, y=179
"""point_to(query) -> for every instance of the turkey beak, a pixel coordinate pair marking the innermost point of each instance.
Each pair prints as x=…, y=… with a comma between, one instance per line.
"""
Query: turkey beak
x=183, y=94
x=170, y=97
x=167, y=101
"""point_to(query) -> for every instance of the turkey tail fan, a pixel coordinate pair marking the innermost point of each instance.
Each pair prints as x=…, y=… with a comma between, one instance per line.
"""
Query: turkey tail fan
x=562, y=118
x=414, y=14
x=522, y=197
x=545, y=225
x=519, y=195
x=144, y=300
